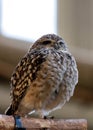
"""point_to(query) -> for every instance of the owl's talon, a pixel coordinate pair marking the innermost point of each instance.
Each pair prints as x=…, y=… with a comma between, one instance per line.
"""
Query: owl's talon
x=48, y=117
x=52, y=117
x=45, y=117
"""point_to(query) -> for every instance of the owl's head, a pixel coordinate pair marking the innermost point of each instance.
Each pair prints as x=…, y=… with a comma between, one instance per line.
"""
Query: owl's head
x=51, y=41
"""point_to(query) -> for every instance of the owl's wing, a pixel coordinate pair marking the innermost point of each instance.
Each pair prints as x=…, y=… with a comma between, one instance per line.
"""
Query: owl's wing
x=25, y=73
x=70, y=78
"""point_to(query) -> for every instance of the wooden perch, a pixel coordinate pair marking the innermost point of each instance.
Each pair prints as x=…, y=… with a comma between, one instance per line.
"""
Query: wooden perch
x=7, y=123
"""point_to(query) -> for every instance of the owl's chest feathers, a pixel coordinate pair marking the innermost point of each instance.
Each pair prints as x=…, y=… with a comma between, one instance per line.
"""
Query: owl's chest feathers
x=50, y=85
x=46, y=83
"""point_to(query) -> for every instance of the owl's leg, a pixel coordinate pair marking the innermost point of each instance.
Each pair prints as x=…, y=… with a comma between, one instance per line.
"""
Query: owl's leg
x=18, y=123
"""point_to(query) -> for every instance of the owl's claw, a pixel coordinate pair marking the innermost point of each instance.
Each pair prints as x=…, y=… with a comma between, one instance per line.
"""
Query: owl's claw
x=18, y=123
x=48, y=117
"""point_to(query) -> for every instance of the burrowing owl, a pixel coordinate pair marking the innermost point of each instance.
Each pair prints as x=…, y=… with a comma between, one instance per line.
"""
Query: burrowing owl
x=44, y=79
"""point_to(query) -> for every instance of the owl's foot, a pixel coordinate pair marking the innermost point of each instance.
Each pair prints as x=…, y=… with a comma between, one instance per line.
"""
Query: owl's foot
x=48, y=117
x=18, y=123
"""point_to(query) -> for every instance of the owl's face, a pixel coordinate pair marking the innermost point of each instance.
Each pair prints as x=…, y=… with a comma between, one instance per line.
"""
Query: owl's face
x=51, y=41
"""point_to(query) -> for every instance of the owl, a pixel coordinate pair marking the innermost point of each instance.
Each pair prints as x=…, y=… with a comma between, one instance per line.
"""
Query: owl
x=44, y=79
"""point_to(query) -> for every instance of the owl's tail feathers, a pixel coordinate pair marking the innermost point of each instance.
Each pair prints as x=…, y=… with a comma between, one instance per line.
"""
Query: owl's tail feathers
x=9, y=110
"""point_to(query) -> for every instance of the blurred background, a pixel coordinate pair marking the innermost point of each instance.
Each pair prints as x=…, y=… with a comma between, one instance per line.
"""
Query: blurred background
x=24, y=21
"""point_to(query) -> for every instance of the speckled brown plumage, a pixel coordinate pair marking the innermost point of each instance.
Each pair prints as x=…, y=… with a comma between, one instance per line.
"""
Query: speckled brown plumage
x=44, y=79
